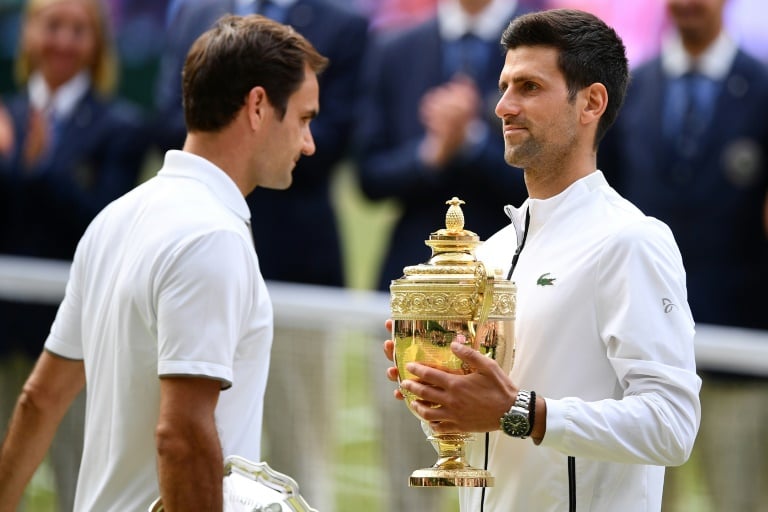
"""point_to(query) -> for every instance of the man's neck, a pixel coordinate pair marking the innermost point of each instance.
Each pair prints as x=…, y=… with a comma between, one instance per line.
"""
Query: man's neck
x=217, y=148
x=550, y=180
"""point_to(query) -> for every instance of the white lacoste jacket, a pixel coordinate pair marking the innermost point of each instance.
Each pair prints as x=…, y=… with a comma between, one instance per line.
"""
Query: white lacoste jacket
x=605, y=334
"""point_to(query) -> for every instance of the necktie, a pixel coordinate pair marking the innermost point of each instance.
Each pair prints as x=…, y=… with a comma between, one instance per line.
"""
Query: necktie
x=692, y=98
x=473, y=55
x=467, y=55
x=54, y=127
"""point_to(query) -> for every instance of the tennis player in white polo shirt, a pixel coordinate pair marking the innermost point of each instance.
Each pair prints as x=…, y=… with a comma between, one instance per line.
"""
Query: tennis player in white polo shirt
x=166, y=315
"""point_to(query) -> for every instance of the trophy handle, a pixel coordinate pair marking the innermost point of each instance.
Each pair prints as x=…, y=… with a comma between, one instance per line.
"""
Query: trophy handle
x=483, y=297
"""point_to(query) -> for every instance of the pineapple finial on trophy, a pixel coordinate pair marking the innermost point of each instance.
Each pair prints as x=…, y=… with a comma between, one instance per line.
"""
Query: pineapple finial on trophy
x=454, y=217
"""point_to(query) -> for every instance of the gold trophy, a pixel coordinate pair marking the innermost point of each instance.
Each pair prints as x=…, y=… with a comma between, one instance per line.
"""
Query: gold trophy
x=451, y=297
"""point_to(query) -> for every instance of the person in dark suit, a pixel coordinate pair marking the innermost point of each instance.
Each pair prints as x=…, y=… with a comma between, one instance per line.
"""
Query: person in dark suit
x=432, y=136
x=69, y=150
x=295, y=231
x=289, y=250
x=427, y=131
x=691, y=148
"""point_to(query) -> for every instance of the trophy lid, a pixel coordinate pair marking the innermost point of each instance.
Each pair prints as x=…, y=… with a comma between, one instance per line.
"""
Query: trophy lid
x=452, y=244
x=453, y=284
x=453, y=248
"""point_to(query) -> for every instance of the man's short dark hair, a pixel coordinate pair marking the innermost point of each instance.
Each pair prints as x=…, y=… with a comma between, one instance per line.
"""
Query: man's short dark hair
x=589, y=51
x=236, y=55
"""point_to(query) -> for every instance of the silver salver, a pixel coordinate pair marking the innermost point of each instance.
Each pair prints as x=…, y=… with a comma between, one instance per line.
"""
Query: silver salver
x=255, y=487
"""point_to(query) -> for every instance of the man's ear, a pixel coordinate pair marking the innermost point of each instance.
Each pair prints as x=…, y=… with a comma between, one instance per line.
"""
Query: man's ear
x=256, y=106
x=596, y=96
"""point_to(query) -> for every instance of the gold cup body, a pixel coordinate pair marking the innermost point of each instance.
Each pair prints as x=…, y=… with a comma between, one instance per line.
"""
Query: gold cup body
x=451, y=298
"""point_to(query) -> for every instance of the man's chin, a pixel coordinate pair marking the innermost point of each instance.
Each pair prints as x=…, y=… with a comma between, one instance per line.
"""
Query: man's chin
x=273, y=187
x=282, y=186
x=517, y=156
x=511, y=158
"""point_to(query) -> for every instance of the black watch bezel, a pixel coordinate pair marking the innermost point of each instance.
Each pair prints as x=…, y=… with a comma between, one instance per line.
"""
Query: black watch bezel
x=515, y=423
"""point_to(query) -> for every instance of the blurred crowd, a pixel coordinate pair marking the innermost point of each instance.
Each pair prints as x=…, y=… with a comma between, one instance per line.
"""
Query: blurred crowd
x=90, y=90
x=138, y=29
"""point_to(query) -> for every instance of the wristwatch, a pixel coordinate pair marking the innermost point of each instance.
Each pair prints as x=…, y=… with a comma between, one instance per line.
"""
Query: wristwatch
x=518, y=421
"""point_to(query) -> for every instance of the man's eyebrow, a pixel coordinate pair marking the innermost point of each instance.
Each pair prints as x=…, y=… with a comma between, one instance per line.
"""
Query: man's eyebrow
x=504, y=84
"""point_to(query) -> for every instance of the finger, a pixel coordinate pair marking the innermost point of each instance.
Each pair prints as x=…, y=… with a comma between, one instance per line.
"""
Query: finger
x=389, y=349
x=425, y=392
x=429, y=376
x=436, y=418
x=472, y=357
x=398, y=394
x=427, y=411
x=388, y=323
x=435, y=426
x=392, y=374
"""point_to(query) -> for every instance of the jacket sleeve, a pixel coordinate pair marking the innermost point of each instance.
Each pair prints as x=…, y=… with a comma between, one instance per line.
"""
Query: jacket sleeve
x=646, y=326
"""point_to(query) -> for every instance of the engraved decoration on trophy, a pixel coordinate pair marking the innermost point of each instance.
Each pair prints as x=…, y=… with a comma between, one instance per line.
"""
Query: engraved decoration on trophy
x=255, y=487
x=451, y=297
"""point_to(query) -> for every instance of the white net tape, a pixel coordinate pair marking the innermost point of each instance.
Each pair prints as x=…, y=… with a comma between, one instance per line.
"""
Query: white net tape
x=717, y=347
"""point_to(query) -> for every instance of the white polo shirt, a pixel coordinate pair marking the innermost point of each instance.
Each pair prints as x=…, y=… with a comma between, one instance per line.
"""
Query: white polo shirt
x=604, y=333
x=164, y=282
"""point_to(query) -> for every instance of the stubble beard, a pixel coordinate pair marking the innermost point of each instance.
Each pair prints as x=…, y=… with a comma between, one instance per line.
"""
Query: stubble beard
x=521, y=155
x=547, y=150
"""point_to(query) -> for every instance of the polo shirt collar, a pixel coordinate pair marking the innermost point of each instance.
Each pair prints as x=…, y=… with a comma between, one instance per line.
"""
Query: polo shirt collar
x=182, y=164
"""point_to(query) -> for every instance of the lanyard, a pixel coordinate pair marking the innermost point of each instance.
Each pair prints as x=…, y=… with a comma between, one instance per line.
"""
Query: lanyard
x=521, y=245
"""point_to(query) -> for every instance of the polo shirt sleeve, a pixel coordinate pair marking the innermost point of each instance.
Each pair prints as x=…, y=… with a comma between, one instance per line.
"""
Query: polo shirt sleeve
x=202, y=295
x=646, y=326
x=65, y=338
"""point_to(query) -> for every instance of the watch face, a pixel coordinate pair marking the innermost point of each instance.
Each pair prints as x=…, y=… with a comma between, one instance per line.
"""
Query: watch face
x=515, y=423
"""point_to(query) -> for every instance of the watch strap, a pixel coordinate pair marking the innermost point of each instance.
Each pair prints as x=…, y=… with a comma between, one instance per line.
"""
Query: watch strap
x=523, y=401
x=531, y=413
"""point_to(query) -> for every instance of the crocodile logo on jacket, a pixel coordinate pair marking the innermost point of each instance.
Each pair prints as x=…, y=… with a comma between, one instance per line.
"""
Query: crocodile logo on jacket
x=545, y=280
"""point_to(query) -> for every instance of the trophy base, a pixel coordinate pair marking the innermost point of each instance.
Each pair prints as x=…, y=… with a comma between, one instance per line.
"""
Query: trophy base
x=440, y=477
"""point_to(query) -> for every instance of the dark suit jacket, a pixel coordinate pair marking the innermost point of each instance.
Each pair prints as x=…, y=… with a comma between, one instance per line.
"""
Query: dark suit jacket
x=401, y=68
x=295, y=230
x=713, y=201
x=44, y=210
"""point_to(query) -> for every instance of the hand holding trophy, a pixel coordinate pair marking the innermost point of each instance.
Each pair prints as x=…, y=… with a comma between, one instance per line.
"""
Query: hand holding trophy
x=451, y=298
